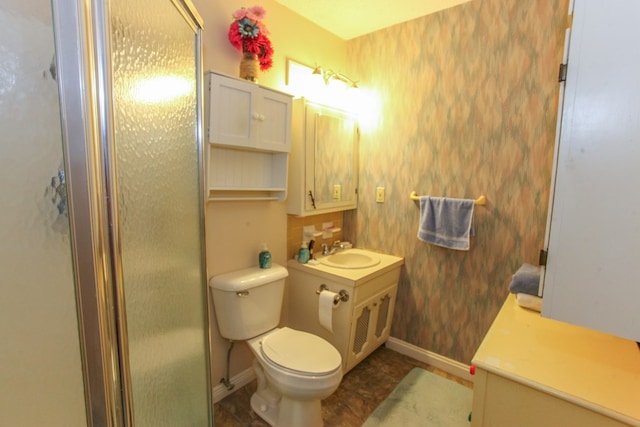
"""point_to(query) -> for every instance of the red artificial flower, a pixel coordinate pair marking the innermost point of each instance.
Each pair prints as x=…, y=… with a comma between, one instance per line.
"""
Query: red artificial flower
x=266, y=52
x=254, y=41
x=234, y=35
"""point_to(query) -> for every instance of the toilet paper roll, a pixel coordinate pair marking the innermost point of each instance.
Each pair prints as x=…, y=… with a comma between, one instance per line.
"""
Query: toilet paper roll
x=325, y=309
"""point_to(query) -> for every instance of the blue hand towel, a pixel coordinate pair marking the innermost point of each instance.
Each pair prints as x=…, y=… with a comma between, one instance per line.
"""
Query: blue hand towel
x=446, y=222
x=526, y=280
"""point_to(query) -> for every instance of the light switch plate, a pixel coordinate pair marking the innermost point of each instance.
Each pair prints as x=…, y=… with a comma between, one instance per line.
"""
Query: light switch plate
x=380, y=194
x=337, y=192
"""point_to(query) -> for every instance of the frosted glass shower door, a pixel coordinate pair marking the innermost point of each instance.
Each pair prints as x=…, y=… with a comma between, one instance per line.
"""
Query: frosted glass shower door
x=156, y=119
x=41, y=377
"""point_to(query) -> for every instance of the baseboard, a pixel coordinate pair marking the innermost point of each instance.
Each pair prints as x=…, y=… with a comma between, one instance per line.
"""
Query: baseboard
x=437, y=361
x=453, y=367
x=240, y=380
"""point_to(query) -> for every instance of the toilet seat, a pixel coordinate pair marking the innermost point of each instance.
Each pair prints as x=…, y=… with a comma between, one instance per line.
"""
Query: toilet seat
x=300, y=352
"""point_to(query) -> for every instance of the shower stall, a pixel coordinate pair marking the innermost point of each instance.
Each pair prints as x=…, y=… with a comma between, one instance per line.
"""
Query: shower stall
x=103, y=318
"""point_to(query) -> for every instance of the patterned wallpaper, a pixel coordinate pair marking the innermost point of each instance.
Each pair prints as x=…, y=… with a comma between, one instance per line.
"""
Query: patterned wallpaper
x=469, y=101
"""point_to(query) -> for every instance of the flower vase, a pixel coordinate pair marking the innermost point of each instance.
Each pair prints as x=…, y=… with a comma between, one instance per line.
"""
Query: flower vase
x=249, y=67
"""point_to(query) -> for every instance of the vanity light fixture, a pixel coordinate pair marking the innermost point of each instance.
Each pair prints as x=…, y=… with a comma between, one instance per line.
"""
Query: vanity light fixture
x=328, y=75
x=326, y=87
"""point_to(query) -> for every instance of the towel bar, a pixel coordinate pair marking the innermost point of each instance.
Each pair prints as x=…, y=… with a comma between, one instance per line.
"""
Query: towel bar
x=480, y=201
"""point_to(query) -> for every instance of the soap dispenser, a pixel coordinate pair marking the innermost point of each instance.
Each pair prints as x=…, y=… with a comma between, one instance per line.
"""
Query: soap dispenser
x=264, y=257
x=303, y=253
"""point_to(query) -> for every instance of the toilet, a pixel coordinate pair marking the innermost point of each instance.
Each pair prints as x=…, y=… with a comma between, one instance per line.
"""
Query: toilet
x=295, y=370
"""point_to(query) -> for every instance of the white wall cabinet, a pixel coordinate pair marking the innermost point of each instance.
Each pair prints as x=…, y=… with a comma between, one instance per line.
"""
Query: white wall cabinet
x=361, y=324
x=594, y=223
x=324, y=160
x=249, y=137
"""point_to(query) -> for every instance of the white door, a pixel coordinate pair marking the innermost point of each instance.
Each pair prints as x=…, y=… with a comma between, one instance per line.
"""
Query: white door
x=594, y=231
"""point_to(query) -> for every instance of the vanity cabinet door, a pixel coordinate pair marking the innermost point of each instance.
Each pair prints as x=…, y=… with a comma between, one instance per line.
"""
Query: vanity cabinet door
x=386, y=303
x=370, y=325
x=361, y=325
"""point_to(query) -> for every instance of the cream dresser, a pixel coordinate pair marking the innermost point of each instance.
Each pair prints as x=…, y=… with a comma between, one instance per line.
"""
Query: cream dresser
x=533, y=371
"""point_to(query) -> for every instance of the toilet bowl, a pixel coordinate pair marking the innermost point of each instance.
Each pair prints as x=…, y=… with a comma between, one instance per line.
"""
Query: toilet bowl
x=295, y=371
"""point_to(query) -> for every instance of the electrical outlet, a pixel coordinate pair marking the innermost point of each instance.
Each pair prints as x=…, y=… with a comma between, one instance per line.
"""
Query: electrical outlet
x=380, y=194
x=337, y=192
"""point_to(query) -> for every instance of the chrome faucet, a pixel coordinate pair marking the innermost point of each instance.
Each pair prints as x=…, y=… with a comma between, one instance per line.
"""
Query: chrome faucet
x=334, y=247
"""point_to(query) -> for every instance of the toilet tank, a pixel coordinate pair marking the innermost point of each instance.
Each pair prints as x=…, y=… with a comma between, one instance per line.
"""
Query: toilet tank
x=248, y=302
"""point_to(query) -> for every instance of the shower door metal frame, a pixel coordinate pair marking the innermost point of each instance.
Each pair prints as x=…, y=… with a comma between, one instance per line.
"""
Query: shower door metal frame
x=82, y=38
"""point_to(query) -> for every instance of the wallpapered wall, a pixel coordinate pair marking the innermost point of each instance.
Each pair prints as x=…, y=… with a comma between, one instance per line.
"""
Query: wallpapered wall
x=469, y=101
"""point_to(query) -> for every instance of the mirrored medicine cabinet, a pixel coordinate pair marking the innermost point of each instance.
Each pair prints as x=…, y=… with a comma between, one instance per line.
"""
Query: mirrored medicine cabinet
x=323, y=168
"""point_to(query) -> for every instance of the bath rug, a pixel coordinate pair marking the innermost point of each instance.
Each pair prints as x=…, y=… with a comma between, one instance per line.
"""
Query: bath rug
x=424, y=399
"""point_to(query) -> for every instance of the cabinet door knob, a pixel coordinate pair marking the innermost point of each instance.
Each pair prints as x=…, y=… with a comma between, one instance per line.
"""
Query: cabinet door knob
x=255, y=116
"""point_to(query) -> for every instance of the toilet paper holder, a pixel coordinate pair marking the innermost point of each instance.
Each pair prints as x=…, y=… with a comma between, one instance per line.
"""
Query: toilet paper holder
x=342, y=295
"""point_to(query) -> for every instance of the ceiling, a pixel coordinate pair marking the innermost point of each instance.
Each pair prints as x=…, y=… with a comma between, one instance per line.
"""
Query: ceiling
x=352, y=18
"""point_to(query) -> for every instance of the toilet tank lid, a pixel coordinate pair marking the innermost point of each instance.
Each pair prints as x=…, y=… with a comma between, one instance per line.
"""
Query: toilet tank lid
x=248, y=278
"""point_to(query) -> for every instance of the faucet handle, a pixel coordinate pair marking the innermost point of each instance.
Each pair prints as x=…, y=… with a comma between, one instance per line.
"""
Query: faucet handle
x=336, y=244
x=325, y=249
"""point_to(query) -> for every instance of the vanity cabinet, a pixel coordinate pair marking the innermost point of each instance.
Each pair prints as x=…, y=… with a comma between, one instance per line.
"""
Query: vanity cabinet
x=249, y=134
x=323, y=171
x=359, y=325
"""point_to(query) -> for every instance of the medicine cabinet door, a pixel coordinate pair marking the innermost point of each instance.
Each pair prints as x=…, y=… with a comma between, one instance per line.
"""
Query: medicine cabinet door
x=331, y=159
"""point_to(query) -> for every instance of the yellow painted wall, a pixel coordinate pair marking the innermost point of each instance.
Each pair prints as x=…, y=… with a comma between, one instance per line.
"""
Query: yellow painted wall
x=291, y=35
x=236, y=230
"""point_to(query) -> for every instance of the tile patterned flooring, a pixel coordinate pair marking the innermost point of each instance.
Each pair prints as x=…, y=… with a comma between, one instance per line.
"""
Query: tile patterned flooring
x=362, y=389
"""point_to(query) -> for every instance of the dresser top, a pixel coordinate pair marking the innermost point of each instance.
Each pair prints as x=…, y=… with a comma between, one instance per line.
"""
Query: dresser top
x=587, y=367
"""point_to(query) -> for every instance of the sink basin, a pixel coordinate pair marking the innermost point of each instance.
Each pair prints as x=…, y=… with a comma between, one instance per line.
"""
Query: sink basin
x=350, y=258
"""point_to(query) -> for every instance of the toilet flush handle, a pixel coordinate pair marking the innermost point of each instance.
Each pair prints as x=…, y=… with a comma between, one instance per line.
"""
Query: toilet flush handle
x=242, y=294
